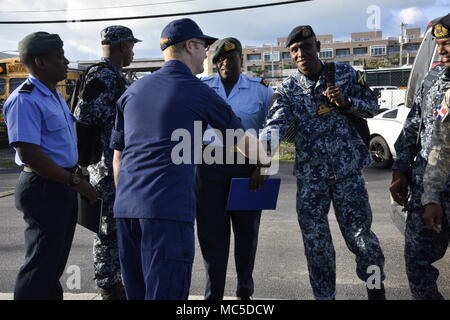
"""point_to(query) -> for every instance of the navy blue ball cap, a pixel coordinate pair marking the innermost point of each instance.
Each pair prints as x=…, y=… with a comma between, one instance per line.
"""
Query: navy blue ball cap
x=116, y=34
x=181, y=30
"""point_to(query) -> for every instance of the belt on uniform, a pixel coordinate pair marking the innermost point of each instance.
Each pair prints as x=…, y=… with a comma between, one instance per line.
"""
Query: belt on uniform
x=226, y=149
x=29, y=170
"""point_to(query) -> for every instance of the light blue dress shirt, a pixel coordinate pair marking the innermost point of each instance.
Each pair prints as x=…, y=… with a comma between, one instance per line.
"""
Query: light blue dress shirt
x=249, y=99
x=41, y=118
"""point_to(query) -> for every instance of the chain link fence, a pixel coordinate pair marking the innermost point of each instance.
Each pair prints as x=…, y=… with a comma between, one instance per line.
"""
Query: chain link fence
x=388, y=77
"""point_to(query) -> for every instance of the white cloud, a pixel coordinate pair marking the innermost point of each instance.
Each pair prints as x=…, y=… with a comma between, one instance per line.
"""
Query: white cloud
x=252, y=27
x=412, y=16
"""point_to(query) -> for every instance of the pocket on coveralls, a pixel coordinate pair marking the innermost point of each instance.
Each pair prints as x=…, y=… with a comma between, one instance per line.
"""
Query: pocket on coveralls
x=180, y=261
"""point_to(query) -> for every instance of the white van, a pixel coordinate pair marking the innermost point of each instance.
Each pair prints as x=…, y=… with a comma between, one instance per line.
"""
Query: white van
x=390, y=99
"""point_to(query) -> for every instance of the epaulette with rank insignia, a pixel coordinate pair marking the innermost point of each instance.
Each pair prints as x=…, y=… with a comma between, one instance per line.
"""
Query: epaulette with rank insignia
x=27, y=88
x=265, y=82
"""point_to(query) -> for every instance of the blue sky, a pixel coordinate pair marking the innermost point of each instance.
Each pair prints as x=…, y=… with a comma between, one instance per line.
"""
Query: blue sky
x=252, y=27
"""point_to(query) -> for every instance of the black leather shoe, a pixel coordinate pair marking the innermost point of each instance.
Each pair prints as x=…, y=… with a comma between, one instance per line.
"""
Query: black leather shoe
x=116, y=292
x=376, y=294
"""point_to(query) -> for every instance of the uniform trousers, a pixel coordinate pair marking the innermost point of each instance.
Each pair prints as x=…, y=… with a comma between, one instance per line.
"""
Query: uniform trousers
x=354, y=216
x=156, y=258
x=106, y=255
x=50, y=213
x=213, y=229
x=423, y=246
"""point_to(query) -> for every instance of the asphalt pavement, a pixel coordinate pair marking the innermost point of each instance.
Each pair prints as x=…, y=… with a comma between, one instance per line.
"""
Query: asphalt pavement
x=280, y=267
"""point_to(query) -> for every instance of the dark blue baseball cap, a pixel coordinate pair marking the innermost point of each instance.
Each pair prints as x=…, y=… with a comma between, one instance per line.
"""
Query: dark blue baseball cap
x=181, y=30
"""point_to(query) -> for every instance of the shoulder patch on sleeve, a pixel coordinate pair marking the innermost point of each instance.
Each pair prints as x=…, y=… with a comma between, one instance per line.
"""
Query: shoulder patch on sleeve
x=361, y=78
x=445, y=110
x=27, y=88
x=265, y=82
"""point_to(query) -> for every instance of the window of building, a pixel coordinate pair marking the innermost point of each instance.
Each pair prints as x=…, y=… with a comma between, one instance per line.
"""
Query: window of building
x=286, y=56
x=378, y=50
x=412, y=47
x=326, y=53
x=357, y=63
x=268, y=67
x=342, y=53
x=254, y=57
x=393, y=49
x=360, y=51
x=252, y=68
x=272, y=56
x=289, y=66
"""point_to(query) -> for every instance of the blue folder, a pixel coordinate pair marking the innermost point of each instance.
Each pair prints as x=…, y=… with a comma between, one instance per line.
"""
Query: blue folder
x=241, y=198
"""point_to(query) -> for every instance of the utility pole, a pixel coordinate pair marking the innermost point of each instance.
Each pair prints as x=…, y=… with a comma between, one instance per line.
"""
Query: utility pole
x=271, y=58
x=402, y=40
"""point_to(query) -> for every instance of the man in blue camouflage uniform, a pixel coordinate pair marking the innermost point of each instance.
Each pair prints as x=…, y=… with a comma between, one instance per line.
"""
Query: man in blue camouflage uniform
x=423, y=246
x=438, y=169
x=104, y=84
x=330, y=155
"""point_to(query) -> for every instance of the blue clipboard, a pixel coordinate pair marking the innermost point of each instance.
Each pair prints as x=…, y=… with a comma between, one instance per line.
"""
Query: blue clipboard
x=241, y=198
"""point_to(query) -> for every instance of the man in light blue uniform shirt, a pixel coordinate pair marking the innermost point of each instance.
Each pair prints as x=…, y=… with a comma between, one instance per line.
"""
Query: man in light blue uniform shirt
x=250, y=99
x=41, y=129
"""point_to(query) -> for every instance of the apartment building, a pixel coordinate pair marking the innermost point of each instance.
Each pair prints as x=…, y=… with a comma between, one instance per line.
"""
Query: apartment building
x=362, y=49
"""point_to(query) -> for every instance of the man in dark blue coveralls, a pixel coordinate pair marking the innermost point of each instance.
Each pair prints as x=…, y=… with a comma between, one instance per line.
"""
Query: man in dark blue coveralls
x=155, y=202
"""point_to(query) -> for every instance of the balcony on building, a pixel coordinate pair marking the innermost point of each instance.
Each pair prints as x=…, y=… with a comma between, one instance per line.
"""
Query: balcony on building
x=254, y=57
x=341, y=53
x=377, y=51
x=366, y=36
x=358, y=52
x=326, y=53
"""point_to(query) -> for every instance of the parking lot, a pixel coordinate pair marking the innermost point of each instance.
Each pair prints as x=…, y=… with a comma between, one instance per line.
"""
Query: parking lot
x=280, y=268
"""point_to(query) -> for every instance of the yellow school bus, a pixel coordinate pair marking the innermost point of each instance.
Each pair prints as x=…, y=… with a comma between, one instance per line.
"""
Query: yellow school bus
x=13, y=73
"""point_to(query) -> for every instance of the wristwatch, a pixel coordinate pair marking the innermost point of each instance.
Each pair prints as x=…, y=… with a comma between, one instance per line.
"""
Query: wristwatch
x=75, y=179
x=260, y=165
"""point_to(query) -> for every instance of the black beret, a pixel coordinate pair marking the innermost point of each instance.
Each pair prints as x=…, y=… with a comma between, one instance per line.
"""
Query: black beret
x=39, y=43
x=299, y=33
x=441, y=27
x=227, y=45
